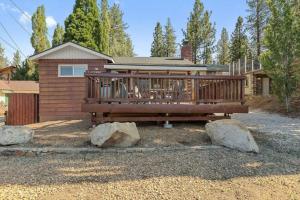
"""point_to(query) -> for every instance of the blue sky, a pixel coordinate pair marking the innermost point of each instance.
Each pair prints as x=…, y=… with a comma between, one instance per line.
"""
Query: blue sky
x=140, y=15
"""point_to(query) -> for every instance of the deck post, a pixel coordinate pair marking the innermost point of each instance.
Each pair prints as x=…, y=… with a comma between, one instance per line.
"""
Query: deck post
x=239, y=66
x=252, y=66
x=245, y=63
x=233, y=70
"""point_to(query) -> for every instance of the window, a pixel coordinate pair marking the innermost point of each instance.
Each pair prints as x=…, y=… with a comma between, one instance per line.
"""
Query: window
x=71, y=70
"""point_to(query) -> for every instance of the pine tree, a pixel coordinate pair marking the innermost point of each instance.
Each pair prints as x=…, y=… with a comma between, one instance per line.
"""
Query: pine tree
x=209, y=34
x=282, y=40
x=3, y=59
x=27, y=71
x=16, y=59
x=194, y=31
x=157, y=48
x=223, y=53
x=256, y=22
x=169, y=40
x=39, y=38
x=120, y=43
x=58, y=36
x=239, y=43
x=104, y=28
x=82, y=25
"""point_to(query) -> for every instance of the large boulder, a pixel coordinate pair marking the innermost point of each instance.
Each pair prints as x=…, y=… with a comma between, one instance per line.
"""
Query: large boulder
x=115, y=135
x=10, y=135
x=231, y=134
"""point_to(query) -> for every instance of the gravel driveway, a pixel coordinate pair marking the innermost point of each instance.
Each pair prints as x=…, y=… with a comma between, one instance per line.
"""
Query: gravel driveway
x=189, y=174
x=280, y=132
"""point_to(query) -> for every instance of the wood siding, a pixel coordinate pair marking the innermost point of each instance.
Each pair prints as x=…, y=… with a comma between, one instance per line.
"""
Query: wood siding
x=61, y=97
x=22, y=109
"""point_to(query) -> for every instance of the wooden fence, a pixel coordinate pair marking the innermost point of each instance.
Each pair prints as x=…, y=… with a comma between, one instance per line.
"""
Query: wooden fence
x=22, y=109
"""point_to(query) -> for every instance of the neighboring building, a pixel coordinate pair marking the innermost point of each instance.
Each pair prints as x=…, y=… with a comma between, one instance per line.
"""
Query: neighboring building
x=7, y=87
x=257, y=83
x=63, y=86
x=6, y=72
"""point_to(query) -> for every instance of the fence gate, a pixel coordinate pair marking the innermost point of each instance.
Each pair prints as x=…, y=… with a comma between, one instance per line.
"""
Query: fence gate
x=22, y=109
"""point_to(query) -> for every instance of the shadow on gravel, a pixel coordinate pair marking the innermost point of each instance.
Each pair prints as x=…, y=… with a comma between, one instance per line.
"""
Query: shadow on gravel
x=217, y=164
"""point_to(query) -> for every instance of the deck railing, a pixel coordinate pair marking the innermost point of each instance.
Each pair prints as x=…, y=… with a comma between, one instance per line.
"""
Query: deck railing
x=163, y=89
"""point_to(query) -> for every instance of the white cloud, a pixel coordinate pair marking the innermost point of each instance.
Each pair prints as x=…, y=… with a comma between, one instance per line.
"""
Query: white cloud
x=7, y=7
x=25, y=18
x=51, y=22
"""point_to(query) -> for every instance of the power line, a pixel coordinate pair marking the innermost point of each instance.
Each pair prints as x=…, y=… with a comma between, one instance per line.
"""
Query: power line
x=23, y=27
x=11, y=38
x=1, y=38
x=24, y=13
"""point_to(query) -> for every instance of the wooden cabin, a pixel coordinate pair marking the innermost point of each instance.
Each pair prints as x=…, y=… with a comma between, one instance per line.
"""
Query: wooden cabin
x=76, y=83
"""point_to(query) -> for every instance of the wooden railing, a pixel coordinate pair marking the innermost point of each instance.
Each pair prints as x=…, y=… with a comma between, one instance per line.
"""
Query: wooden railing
x=163, y=89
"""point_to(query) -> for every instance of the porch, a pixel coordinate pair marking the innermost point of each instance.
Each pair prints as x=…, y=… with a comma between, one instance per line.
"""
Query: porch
x=127, y=97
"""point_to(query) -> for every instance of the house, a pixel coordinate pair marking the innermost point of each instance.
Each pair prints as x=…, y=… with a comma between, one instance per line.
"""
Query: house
x=72, y=76
x=6, y=72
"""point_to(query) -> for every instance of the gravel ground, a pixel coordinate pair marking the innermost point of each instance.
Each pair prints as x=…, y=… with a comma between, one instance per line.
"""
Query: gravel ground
x=190, y=174
x=280, y=132
x=75, y=133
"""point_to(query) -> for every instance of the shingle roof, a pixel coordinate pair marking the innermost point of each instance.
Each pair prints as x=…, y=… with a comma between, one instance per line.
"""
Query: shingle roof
x=151, y=61
x=20, y=86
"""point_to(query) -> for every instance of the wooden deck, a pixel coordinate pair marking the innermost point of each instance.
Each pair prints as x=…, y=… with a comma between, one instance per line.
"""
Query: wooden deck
x=143, y=97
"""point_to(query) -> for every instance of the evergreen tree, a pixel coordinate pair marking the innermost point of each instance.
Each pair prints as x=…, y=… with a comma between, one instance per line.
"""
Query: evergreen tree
x=157, y=49
x=3, y=59
x=169, y=40
x=16, y=59
x=58, y=36
x=39, y=38
x=239, y=43
x=223, y=53
x=82, y=25
x=282, y=40
x=120, y=43
x=104, y=28
x=257, y=20
x=27, y=71
x=194, y=31
x=209, y=34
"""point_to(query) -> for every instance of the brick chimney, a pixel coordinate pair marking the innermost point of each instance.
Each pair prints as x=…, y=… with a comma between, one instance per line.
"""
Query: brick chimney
x=186, y=51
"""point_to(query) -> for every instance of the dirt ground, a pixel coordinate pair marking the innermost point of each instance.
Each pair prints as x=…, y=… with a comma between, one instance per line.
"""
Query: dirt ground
x=220, y=173
x=76, y=134
x=190, y=174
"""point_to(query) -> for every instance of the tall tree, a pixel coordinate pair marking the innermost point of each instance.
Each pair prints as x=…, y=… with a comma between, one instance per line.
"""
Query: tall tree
x=104, y=28
x=282, y=40
x=58, y=35
x=223, y=53
x=3, y=59
x=157, y=48
x=39, y=38
x=239, y=42
x=194, y=30
x=82, y=25
x=209, y=34
x=26, y=71
x=258, y=13
x=169, y=39
x=16, y=59
x=120, y=43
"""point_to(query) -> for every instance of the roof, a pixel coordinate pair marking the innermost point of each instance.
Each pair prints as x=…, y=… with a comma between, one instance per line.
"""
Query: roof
x=151, y=61
x=20, y=86
x=8, y=68
x=70, y=44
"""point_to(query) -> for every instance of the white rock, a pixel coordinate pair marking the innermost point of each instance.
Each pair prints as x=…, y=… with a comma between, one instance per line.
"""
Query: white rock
x=232, y=134
x=10, y=135
x=115, y=135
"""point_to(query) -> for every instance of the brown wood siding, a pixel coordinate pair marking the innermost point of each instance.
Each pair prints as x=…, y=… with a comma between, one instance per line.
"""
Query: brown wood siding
x=22, y=109
x=61, y=97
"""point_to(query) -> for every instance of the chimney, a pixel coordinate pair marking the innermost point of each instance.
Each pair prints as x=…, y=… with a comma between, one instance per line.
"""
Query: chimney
x=186, y=51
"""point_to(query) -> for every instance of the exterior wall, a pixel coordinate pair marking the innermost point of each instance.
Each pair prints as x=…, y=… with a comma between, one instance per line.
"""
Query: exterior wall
x=61, y=97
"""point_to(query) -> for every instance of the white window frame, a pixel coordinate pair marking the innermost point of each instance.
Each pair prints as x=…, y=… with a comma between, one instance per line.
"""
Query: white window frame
x=71, y=65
